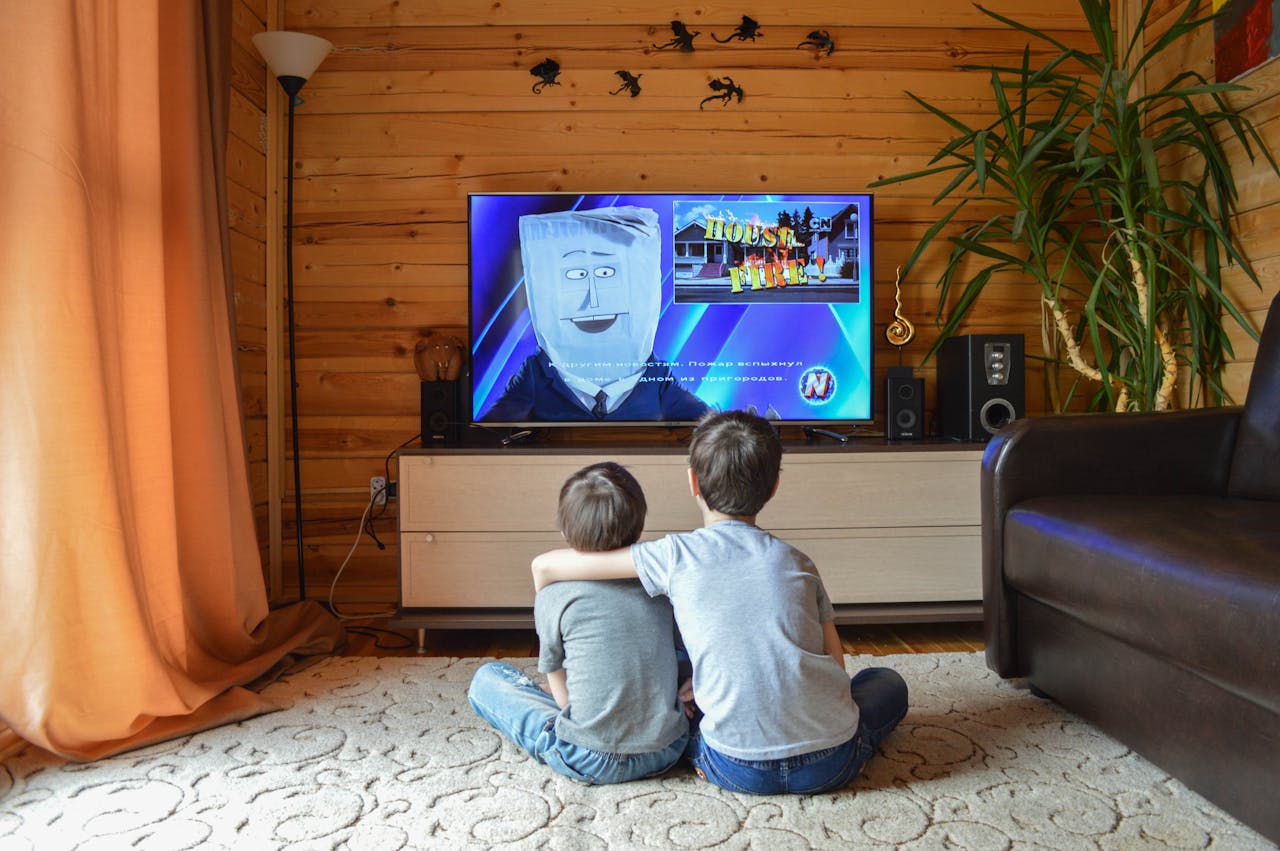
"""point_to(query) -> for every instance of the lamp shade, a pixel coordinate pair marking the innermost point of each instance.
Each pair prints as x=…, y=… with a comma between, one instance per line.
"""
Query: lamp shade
x=292, y=54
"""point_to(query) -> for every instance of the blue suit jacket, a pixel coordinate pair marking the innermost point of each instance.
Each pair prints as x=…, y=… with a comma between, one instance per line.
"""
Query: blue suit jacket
x=537, y=393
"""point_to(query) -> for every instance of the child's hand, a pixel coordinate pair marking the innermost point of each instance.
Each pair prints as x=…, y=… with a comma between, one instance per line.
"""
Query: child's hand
x=686, y=697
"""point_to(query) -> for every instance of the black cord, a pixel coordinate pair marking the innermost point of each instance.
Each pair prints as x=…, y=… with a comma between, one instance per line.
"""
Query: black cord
x=368, y=530
x=380, y=508
x=374, y=633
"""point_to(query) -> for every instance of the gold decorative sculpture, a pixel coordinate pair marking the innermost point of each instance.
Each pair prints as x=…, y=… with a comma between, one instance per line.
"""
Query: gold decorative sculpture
x=900, y=330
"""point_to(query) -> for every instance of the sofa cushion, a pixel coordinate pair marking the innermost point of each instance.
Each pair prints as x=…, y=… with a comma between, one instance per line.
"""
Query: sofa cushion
x=1193, y=579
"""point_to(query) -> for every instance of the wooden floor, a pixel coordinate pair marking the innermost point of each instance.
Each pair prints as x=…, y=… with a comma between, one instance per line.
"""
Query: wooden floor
x=373, y=638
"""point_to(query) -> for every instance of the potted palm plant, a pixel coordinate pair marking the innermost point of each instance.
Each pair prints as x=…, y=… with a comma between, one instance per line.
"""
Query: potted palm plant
x=1114, y=195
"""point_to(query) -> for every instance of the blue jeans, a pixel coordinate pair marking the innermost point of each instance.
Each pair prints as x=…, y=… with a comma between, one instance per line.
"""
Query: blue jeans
x=524, y=713
x=881, y=696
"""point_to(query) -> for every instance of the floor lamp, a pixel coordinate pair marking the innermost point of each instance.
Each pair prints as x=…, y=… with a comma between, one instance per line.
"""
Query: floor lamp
x=292, y=58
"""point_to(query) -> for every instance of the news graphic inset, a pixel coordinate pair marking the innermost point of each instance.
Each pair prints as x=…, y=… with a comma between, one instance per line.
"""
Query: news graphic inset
x=764, y=251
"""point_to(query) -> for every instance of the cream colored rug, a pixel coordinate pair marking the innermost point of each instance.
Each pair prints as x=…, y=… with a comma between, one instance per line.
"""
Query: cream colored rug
x=386, y=754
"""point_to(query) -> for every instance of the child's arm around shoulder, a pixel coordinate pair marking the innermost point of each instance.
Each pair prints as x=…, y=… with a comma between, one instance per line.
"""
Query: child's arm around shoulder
x=566, y=564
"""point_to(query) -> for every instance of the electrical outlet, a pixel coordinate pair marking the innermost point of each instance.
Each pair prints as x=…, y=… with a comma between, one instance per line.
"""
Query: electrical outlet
x=378, y=490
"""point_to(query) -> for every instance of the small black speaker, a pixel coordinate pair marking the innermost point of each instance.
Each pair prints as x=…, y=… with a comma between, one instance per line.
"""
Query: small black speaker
x=441, y=403
x=904, y=405
x=981, y=385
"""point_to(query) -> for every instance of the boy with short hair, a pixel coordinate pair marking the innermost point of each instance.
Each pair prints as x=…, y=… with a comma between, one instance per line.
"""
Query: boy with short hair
x=607, y=649
x=780, y=713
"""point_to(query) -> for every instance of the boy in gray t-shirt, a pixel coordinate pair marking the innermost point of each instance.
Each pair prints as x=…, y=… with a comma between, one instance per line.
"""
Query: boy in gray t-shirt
x=607, y=648
x=780, y=713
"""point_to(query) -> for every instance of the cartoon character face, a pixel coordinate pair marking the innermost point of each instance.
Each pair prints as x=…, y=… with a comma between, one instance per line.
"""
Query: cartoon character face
x=593, y=292
x=593, y=284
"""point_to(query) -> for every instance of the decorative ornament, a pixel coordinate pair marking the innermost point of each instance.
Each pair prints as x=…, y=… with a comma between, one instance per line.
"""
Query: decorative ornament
x=683, y=38
x=438, y=357
x=630, y=83
x=820, y=39
x=726, y=89
x=900, y=330
x=746, y=31
x=546, y=71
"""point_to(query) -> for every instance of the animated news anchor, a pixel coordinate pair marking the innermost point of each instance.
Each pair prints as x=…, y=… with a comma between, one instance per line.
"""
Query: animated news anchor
x=593, y=282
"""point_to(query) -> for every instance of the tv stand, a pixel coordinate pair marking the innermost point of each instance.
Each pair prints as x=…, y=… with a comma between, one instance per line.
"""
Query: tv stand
x=894, y=530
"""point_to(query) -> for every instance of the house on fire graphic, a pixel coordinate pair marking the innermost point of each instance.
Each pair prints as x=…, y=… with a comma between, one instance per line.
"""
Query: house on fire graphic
x=750, y=252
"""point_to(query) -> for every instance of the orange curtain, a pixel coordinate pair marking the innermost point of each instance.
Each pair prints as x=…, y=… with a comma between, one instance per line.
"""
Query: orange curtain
x=133, y=606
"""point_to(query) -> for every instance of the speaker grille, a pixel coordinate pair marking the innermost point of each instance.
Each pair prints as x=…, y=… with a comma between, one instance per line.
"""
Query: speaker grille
x=905, y=405
x=981, y=385
x=440, y=407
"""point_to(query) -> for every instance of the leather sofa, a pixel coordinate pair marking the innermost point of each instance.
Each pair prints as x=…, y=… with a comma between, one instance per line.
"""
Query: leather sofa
x=1131, y=572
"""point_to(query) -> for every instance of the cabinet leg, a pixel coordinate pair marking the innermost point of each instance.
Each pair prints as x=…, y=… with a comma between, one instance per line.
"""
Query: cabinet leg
x=422, y=639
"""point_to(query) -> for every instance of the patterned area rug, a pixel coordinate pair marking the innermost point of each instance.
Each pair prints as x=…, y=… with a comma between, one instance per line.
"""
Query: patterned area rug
x=386, y=754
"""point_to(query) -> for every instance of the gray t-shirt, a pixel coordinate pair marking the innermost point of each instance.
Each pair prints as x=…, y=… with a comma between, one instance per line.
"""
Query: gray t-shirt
x=617, y=646
x=750, y=609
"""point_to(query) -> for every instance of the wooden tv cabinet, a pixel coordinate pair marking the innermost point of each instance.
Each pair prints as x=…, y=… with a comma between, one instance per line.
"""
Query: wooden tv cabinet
x=893, y=529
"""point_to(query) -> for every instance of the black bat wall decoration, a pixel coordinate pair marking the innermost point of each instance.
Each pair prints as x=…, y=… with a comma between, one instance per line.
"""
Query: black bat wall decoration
x=630, y=83
x=683, y=38
x=746, y=31
x=546, y=71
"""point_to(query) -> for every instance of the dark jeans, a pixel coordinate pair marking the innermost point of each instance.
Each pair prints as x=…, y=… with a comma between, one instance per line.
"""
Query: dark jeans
x=515, y=706
x=881, y=696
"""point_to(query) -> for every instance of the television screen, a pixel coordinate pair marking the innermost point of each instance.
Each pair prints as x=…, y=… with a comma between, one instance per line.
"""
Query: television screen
x=654, y=308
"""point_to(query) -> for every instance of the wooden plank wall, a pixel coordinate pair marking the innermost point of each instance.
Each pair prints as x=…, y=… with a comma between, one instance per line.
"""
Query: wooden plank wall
x=422, y=103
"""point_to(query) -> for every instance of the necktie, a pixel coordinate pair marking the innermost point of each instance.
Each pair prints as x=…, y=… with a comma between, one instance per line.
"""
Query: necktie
x=600, y=409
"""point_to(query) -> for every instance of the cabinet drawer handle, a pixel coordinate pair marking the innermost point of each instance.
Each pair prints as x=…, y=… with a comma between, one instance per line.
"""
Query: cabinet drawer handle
x=427, y=539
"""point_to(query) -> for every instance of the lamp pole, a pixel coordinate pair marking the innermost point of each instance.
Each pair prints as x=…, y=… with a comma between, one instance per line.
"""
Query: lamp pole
x=291, y=89
x=292, y=57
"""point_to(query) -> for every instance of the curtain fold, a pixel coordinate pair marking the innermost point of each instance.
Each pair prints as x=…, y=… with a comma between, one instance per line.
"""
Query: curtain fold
x=133, y=605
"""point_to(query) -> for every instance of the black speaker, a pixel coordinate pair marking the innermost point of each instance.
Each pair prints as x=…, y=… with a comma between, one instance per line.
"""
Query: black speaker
x=904, y=405
x=441, y=404
x=981, y=385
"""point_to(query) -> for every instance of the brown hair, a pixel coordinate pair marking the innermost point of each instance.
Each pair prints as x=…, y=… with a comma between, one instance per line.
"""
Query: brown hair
x=601, y=508
x=736, y=456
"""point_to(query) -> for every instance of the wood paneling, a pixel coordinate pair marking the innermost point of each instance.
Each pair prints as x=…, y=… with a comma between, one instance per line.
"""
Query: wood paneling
x=420, y=104
x=428, y=48
x=719, y=18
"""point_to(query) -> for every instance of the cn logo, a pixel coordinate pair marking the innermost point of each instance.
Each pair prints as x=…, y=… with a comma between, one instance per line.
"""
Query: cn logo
x=817, y=385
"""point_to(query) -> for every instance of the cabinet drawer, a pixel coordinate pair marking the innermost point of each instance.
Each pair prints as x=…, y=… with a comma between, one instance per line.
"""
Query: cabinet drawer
x=515, y=493
x=465, y=569
x=874, y=490
x=895, y=565
x=477, y=493
x=470, y=569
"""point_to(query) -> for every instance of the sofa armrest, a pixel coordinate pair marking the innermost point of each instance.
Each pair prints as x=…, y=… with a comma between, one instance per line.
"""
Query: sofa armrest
x=1174, y=452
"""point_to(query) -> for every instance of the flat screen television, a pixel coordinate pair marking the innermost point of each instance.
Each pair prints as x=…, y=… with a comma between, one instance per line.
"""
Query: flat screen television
x=644, y=308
